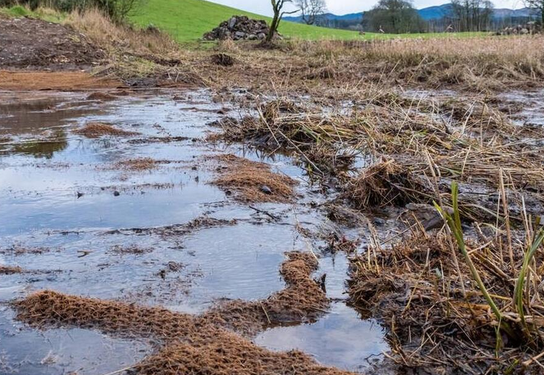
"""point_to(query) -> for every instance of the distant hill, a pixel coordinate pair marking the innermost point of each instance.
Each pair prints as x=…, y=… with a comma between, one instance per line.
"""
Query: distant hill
x=437, y=12
x=429, y=13
x=330, y=17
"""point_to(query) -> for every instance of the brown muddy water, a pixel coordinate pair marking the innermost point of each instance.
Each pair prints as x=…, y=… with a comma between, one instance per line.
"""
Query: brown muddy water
x=77, y=223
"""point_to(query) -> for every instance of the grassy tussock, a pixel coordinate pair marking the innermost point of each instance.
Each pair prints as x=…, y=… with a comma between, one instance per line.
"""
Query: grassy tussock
x=102, y=31
x=458, y=301
x=98, y=129
x=252, y=181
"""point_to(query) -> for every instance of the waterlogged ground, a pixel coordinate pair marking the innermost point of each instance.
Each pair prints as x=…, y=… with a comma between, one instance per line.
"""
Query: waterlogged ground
x=77, y=220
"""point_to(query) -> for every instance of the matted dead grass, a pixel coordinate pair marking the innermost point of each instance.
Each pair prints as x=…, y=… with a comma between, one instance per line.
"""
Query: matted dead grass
x=253, y=181
x=385, y=183
x=197, y=344
x=301, y=301
x=436, y=317
x=98, y=129
x=10, y=270
x=137, y=165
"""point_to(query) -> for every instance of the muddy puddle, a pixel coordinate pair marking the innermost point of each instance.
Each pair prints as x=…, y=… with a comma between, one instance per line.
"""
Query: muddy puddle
x=526, y=107
x=135, y=218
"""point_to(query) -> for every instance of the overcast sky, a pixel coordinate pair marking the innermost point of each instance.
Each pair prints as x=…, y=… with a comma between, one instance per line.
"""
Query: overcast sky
x=348, y=6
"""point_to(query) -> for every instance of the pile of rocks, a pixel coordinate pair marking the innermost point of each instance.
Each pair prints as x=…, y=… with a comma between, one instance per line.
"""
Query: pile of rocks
x=529, y=28
x=239, y=28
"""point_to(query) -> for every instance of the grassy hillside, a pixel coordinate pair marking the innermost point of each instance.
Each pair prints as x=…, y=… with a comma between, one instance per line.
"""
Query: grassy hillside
x=187, y=20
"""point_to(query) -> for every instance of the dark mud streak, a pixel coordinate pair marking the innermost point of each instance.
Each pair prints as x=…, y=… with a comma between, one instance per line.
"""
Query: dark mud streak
x=198, y=344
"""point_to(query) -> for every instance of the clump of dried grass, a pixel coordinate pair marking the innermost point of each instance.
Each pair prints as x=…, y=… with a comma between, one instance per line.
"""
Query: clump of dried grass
x=98, y=129
x=222, y=59
x=301, y=301
x=385, y=183
x=10, y=270
x=130, y=249
x=448, y=301
x=145, y=57
x=115, y=37
x=101, y=96
x=137, y=165
x=252, y=181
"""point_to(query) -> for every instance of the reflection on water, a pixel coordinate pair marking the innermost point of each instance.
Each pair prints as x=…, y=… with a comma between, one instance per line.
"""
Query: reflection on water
x=64, y=351
x=43, y=148
x=338, y=339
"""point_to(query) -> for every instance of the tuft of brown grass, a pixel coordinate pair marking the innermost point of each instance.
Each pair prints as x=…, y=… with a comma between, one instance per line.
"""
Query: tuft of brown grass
x=252, y=181
x=222, y=59
x=10, y=270
x=114, y=37
x=130, y=249
x=137, y=165
x=101, y=96
x=98, y=129
x=385, y=183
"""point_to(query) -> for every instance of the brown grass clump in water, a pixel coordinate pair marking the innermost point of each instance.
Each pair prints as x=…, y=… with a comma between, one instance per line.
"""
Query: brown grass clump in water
x=302, y=300
x=130, y=249
x=252, y=181
x=195, y=344
x=101, y=96
x=10, y=270
x=382, y=184
x=137, y=165
x=98, y=129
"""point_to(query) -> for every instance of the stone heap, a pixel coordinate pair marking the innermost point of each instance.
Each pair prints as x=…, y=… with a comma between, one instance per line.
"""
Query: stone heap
x=239, y=28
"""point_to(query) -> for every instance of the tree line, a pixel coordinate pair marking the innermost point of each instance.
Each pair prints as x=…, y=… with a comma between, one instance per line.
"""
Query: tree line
x=399, y=16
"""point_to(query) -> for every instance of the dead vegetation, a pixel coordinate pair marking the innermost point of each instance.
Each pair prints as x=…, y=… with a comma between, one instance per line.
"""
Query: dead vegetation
x=101, y=96
x=98, y=129
x=252, y=181
x=302, y=301
x=456, y=304
x=426, y=144
x=137, y=165
x=10, y=270
x=383, y=184
x=130, y=249
x=197, y=344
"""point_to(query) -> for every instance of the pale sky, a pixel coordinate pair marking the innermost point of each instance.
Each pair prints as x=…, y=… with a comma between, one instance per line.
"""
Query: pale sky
x=348, y=6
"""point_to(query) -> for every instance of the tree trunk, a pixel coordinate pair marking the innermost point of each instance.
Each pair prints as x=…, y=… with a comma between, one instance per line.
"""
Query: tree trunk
x=273, y=27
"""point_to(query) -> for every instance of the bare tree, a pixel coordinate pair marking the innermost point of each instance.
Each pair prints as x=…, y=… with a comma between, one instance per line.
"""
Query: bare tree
x=277, y=7
x=537, y=5
x=311, y=10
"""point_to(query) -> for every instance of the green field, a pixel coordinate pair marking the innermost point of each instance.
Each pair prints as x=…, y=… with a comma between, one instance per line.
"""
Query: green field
x=188, y=20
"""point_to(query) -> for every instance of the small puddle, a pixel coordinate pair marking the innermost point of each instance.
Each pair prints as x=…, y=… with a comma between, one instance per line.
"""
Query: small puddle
x=77, y=223
x=340, y=338
x=64, y=351
x=532, y=107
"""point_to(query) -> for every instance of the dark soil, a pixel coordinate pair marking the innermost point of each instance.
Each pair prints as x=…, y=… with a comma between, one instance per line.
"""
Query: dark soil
x=27, y=43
